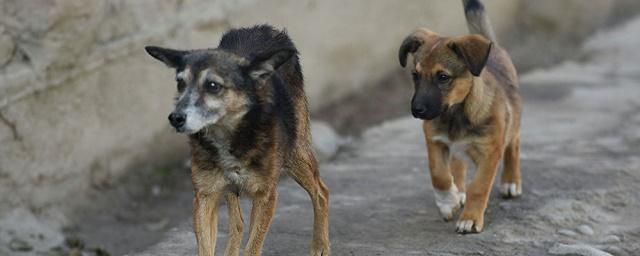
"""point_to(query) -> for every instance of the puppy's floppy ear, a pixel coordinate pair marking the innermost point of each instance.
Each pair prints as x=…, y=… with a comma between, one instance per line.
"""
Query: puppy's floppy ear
x=413, y=42
x=172, y=58
x=473, y=50
x=409, y=45
x=263, y=65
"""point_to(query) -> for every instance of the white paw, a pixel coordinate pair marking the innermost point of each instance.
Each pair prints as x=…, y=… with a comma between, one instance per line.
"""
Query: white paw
x=448, y=201
x=510, y=190
x=467, y=226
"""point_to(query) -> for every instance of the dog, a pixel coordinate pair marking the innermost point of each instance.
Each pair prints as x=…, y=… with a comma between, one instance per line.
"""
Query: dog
x=245, y=112
x=467, y=94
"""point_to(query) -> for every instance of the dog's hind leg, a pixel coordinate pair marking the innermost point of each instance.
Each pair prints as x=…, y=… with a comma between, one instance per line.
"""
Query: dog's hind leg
x=511, y=183
x=205, y=221
x=262, y=210
x=236, y=224
x=304, y=171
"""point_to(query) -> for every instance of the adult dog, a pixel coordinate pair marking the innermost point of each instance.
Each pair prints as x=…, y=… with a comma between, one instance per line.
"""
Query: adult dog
x=244, y=108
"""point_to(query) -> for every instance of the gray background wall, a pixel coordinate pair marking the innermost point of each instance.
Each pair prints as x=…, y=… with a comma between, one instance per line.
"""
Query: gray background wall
x=81, y=104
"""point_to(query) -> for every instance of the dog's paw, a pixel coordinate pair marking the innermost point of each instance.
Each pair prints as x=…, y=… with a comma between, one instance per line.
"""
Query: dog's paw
x=449, y=201
x=510, y=190
x=320, y=249
x=467, y=226
x=321, y=252
x=470, y=222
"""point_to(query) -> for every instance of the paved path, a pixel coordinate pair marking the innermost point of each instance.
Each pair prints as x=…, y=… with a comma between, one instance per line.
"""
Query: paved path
x=580, y=163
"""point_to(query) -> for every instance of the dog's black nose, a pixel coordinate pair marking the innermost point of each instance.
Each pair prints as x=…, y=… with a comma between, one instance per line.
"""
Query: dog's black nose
x=418, y=111
x=177, y=120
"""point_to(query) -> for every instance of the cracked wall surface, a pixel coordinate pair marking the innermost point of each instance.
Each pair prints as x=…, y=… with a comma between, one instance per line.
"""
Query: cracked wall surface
x=81, y=103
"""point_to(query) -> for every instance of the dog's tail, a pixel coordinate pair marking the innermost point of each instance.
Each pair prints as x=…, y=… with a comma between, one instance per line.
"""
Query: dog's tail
x=477, y=19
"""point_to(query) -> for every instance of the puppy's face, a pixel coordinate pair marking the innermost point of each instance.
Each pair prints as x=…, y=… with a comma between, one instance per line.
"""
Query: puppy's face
x=442, y=70
x=215, y=86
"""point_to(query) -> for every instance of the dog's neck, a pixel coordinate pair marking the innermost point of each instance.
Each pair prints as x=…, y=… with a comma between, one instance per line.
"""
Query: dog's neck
x=477, y=105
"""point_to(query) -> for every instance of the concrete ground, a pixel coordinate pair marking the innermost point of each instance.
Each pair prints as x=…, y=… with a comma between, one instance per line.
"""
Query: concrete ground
x=581, y=176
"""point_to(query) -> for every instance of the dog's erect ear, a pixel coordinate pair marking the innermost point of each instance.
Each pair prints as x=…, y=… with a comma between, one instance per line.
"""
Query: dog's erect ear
x=172, y=58
x=262, y=66
x=473, y=49
x=413, y=42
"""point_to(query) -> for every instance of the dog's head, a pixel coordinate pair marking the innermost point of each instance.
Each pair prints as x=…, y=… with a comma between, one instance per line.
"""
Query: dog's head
x=443, y=69
x=214, y=85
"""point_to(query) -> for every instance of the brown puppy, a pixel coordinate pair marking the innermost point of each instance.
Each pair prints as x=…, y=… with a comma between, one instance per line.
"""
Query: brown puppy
x=466, y=91
x=244, y=108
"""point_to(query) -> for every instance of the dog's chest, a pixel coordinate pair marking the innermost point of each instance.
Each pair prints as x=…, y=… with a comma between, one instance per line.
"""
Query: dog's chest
x=234, y=170
x=456, y=147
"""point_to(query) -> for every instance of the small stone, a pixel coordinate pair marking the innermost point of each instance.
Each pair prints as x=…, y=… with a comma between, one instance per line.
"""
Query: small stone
x=567, y=232
x=576, y=249
x=585, y=229
x=157, y=226
x=155, y=190
x=505, y=206
x=611, y=239
x=7, y=47
x=20, y=245
x=326, y=141
x=615, y=250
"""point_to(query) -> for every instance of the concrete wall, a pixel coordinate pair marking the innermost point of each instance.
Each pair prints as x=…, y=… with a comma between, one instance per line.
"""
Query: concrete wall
x=81, y=103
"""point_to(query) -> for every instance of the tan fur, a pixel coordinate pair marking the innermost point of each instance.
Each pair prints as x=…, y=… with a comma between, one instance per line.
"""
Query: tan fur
x=490, y=101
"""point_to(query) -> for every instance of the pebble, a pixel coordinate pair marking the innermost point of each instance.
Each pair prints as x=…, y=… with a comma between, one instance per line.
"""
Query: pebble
x=611, y=239
x=157, y=226
x=585, y=229
x=155, y=190
x=615, y=250
x=505, y=206
x=567, y=232
x=20, y=245
x=576, y=249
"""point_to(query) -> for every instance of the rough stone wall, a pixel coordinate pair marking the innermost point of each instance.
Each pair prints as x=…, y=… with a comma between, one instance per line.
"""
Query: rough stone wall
x=81, y=103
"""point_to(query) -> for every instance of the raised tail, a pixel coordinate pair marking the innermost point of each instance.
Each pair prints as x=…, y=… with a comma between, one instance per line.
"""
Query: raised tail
x=477, y=19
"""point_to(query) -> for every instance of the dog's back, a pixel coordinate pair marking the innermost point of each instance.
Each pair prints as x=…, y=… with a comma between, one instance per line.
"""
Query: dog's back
x=255, y=42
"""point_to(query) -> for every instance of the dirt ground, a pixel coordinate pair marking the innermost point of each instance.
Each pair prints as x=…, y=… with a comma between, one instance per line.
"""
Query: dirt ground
x=580, y=163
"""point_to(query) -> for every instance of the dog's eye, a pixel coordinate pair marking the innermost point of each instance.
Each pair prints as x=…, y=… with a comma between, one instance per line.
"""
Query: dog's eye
x=443, y=77
x=212, y=87
x=415, y=76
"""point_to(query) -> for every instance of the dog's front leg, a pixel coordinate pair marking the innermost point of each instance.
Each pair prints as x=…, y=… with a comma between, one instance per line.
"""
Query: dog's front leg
x=486, y=158
x=446, y=193
x=236, y=224
x=205, y=221
x=262, y=210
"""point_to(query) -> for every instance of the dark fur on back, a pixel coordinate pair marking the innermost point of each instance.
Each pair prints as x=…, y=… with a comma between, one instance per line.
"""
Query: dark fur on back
x=255, y=42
